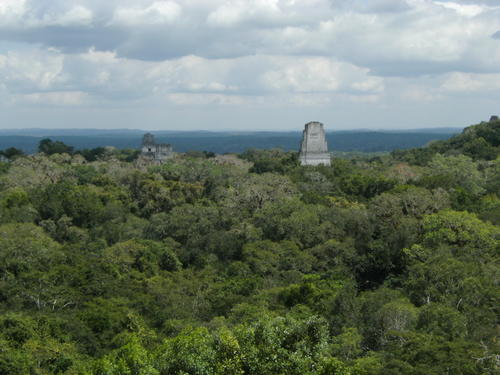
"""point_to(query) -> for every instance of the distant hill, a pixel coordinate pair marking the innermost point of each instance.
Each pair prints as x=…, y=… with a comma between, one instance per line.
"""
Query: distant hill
x=224, y=142
x=480, y=141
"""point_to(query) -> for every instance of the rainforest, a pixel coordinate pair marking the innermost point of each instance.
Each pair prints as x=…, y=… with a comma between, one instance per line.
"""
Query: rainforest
x=250, y=263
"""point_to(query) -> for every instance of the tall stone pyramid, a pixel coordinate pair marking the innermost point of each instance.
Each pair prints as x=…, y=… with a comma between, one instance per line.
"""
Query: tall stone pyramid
x=314, y=149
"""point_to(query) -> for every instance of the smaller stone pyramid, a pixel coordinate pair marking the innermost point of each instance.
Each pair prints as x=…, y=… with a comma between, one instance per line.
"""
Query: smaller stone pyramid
x=152, y=150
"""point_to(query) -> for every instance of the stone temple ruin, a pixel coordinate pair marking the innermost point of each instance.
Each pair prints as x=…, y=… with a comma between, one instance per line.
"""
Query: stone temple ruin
x=157, y=152
x=314, y=149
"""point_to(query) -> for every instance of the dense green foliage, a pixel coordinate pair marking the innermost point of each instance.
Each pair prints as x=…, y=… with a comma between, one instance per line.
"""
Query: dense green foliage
x=251, y=265
x=50, y=147
x=11, y=153
x=479, y=142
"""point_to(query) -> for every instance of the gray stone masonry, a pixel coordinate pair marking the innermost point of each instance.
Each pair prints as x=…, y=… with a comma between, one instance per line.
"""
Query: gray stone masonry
x=157, y=152
x=314, y=149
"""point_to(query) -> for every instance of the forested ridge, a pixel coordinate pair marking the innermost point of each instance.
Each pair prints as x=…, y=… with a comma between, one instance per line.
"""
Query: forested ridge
x=251, y=264
x=228, y=142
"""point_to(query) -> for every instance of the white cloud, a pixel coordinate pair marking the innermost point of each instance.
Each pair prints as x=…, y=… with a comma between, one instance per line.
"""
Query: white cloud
x=204, y=99
x=32, y=70
x=25, y=14
x=420, y=94
x=159, y=12
x=11, y=11
x=68, y=98
x=307, y=100
x=316, y=74
x=369, y=85
x=248, y=53
x=77, y=15
x=266, y=13
x=390, y=37
x=458, y=82
x=232, y=13
x=304, y=75
x=468, y=10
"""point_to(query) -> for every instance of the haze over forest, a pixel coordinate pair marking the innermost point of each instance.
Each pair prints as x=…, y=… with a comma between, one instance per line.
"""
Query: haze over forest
x=223, y=142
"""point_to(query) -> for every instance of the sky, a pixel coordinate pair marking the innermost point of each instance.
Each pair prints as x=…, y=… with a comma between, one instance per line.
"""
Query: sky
x=248, y=64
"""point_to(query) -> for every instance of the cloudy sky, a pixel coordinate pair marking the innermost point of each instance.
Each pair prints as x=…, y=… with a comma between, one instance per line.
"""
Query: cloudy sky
x=248, y=64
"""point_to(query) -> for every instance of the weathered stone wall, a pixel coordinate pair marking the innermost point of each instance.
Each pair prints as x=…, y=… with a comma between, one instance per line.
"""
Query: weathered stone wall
x=314, y=148
x=157, y=152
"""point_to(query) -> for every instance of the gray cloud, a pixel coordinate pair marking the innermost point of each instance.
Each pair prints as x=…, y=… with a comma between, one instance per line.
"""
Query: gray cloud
x=473, y=2
x=246, y=53
x=376, y=34
x=373, y=6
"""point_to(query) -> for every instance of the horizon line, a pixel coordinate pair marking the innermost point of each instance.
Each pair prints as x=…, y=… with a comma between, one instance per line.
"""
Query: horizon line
x=229, y=130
